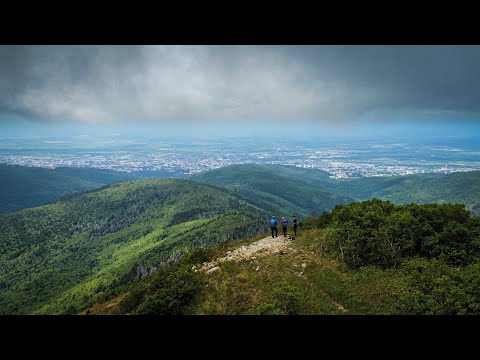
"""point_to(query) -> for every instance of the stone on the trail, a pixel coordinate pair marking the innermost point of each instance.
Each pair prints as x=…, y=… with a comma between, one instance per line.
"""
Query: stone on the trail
x=258, y=267
x=213, y=269
x=304, y=265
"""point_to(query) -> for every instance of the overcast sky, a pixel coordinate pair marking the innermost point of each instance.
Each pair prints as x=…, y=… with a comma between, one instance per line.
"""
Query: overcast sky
x=339, y=86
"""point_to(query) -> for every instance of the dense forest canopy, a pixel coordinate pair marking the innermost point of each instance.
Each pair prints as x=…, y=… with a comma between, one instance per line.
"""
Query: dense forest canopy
x=63, y=255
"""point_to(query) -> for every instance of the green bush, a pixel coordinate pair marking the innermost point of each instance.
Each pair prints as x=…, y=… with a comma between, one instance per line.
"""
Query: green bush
x=132, y=300
x=313, y=222
x=435, y=289
x=455, y=242
x=379, y=233
x=173, y=289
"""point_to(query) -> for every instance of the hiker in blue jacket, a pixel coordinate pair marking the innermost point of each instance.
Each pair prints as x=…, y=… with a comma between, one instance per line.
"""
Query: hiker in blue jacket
x=273, y=225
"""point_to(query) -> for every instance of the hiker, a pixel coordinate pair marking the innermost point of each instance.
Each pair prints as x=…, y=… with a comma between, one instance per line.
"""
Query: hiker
x=284, y=226
x=273, y=225
x=295, y=224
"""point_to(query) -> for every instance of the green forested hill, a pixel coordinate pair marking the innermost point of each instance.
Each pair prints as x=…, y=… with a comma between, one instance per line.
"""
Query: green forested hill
x=462, y=188
x=310, y=191
x=278, y=189
x=62, y=256
x=23, y=187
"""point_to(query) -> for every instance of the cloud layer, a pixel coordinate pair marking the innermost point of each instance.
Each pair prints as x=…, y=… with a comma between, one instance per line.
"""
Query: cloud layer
x=333, y=84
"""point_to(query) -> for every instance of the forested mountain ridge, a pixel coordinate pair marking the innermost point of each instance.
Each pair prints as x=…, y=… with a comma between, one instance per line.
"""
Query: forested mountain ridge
x=276, y=188
x=282, y=190
x=24, y=187
x=58, y=257
x=267, y=182
x=462, y=188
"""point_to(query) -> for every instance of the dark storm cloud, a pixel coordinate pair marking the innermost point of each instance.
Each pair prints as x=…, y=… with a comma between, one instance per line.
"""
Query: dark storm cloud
x=336, y=84
x=423, y=77
x=14, y=67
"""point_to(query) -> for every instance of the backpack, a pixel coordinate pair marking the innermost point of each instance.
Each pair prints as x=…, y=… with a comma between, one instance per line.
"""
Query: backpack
x=273, y=222
x=285, y=222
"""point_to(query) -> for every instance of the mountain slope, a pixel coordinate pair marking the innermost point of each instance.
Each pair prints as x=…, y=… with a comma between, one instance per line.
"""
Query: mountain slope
x=370, y=257
x=463, y=188
x=311, y=191
x=278, y=189
x=59, y=257
x=24, y=187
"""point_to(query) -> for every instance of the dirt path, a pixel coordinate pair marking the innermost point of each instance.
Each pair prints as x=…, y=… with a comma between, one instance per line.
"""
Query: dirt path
x=267, y=245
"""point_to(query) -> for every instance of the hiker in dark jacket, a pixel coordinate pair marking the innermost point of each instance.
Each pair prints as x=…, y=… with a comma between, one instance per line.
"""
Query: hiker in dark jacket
x=295, y=224
x=284, y=226
x=273, y=225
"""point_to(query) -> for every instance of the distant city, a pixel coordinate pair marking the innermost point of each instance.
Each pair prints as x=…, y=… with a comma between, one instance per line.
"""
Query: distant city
x=181, y=157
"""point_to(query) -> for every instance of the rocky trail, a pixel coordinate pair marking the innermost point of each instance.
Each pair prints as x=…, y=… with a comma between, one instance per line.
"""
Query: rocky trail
x=265, y=246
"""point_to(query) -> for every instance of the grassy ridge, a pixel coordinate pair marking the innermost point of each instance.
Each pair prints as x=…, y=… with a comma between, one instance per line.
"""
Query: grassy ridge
x=280, y=286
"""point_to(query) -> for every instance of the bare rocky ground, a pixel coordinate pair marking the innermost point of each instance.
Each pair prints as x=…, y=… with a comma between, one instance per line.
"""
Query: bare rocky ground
x=262, y=247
